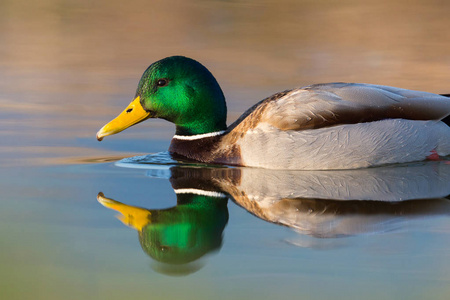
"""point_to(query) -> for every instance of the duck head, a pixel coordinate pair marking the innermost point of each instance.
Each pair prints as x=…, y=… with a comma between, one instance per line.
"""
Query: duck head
x=180, y=234
x=177, y=89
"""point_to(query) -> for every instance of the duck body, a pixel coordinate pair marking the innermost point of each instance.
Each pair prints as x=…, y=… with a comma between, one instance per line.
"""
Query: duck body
x=328, y=126
x=323, y=126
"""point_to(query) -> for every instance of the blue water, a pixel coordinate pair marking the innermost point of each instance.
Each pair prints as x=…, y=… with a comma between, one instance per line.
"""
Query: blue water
x=192, y=231
x=58, y=240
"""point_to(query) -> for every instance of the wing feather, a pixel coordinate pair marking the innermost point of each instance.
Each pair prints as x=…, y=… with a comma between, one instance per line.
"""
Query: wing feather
x=323, y=105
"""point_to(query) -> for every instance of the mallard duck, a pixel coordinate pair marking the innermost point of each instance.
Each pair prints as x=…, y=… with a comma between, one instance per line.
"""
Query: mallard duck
x=325, y=204
x=321, y=126
x=179, y=234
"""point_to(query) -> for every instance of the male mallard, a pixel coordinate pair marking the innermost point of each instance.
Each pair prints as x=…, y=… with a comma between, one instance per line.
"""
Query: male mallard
x=179, y=234
x=322, y=126
x=334, y=203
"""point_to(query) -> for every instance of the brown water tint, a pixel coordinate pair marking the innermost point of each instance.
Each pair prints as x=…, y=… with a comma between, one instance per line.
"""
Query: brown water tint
x=67, y=67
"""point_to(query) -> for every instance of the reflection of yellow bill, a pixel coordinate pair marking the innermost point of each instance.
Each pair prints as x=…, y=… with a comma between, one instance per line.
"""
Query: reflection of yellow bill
x=132, y=216
x=133, y=114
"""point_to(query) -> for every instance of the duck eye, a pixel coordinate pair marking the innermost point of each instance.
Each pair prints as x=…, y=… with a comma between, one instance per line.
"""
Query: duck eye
x=162, y=82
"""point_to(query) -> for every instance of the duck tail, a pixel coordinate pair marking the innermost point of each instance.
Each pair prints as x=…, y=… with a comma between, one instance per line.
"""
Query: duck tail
x=446, y=120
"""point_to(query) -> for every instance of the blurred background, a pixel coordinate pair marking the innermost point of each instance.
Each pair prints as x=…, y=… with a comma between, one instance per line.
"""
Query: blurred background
x=73, y=65
x=69, y=66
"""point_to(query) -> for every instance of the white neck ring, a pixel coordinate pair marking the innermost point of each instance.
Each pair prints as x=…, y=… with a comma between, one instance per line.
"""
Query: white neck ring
x=198, y=136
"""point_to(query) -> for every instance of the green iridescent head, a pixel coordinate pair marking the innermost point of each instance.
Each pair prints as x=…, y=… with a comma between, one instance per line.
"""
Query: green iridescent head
x=177, y=89
x=180, y=234
x=184, y=233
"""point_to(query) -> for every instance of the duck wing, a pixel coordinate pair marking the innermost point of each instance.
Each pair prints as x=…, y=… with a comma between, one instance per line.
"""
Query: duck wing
x=323, y=105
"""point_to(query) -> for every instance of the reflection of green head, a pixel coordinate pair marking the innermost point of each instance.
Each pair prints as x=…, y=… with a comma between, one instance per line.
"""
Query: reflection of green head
x=184, y=233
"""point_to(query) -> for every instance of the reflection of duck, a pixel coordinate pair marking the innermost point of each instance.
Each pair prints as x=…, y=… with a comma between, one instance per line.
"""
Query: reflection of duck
x=331, y=218
x=325, y=126
x=180, y=234
x=329, y=203
x=342, y=203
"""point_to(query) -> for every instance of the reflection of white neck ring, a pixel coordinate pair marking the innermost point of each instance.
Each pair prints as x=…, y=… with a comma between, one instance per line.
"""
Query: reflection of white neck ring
x=200, y=192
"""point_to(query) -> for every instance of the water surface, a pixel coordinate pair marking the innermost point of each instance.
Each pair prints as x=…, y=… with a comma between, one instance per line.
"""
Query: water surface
x=67, y=67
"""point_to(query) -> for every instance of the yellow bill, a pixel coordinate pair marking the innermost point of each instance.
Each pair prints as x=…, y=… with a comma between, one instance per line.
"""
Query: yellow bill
x=133, y=114
x=131, y=216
